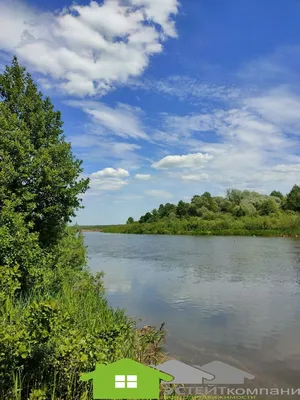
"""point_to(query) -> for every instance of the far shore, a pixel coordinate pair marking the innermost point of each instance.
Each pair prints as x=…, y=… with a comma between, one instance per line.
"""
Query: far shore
x=256, y=233
x=91, y=230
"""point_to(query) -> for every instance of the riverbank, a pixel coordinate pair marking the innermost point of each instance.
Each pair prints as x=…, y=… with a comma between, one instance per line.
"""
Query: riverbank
x=62, y=329
x=268, y=233
x=91, y=230
x=280, y=225
x=53, y=335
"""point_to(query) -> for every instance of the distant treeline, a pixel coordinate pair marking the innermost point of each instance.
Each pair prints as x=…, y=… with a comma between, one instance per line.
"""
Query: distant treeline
x=238, y=212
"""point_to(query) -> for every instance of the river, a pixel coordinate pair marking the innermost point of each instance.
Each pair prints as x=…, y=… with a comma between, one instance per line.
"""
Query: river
x=233, y=299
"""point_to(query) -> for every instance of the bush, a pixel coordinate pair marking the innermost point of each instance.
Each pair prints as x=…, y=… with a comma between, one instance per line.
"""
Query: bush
x=238, y=211
x=248, y=208
x=20, y=248
x=268, y=206
x=49, y=340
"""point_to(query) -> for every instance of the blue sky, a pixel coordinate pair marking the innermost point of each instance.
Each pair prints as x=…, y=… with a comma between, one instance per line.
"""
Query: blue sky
x=164, y=99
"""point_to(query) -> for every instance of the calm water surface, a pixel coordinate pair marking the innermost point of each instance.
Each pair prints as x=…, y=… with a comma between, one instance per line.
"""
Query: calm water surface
x=233, y=299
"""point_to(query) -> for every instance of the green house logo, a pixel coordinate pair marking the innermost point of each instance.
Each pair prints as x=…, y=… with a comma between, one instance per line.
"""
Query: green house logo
x=126, y=379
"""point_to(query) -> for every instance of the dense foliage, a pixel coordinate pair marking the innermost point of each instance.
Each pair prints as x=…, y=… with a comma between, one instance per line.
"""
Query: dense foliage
x=236, y=203
x=39, y=175
x=239, y=212
x=54, y=320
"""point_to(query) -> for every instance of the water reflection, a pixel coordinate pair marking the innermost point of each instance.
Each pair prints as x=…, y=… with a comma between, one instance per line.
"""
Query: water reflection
x=234, y=297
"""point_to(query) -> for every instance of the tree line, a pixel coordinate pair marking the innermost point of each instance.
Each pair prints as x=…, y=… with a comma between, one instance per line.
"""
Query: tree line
x=235, y=203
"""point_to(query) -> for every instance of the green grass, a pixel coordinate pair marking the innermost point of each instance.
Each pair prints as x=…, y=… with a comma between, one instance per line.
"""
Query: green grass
x=62, y=325
x=49, y=340
x=280, y=224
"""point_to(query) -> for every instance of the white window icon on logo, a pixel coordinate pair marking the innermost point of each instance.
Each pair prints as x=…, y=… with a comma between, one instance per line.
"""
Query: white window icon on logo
x=126, y=381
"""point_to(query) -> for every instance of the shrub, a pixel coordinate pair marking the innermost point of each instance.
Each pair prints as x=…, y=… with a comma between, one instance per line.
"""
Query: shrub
x=268, y=206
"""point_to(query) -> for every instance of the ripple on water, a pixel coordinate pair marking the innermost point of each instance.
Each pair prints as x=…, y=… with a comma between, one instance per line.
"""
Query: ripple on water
x=223, y=298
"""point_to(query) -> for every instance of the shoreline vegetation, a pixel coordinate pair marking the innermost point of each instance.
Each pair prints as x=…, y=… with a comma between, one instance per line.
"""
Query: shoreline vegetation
x=55, y=322
x=258, y=233
x=239, y=213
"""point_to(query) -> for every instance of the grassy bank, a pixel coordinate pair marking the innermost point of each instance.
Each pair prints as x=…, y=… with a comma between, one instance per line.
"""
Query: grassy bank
x=245, y=213
x=280, y=224
x=50, y=336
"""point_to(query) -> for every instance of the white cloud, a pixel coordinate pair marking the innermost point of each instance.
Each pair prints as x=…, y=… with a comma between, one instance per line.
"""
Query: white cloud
x=111, y=172
x=277, y=66
x=235, y=125
x=15, y=18
x=279, y=177
x=190, y=123
x=44, y=83
x=185, y=161
x=245, y=147
x=187, y=88
x=143, y=177
x=108, y=179
x=251, y=145
x=123, y=120
x=287, y=168
x=121, y=148
x=98, y=185
x=280, y=107
x=249, y=149
x=160, y=194
x=98, y=146
x=159, y=11
x=92, y=148
x=195, y=177
x=88, y=49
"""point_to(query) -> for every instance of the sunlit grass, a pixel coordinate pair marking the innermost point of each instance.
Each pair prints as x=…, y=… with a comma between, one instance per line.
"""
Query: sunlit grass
x=82, y=307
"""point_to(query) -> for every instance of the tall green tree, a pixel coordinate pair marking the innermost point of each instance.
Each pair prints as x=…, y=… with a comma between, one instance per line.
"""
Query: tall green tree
x=155, y=215
x=182, y=209
x=161, y=211
x=145, y=218
x=276, y=193
x=38, y=171
x=223, y=205
x=293, y=199
x=193, y=210
x=169, y=208
x=205, y=200
x=235, y=196
x=165, y=210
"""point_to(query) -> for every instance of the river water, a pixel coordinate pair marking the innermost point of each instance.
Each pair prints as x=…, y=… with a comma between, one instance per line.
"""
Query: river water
x=231, y=299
